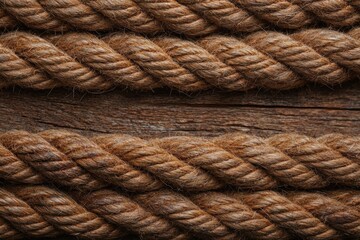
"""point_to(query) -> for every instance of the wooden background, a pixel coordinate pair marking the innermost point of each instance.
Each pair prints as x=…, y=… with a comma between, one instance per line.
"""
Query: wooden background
x=312, y=110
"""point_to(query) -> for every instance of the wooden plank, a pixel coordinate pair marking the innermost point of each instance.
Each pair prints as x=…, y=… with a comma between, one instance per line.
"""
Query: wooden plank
x=311, y=110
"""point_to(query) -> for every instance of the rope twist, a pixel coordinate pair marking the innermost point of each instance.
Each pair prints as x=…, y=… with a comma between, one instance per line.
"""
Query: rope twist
x=192, y=18
x=189, y=164
x=264, y=59
x=40, y=211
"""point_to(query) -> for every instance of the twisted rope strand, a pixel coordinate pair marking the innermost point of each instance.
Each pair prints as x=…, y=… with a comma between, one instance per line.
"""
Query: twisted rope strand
x=8, y=232
x=189, y=164
x=264, y=59
x=50, y=213
x=168, y=215
x=192, y=18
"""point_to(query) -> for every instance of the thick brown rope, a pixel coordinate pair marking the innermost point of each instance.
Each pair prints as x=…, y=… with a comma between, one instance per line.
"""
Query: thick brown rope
x=264, y=59
x=193, y=18
x=36, y=211
x=189, y=164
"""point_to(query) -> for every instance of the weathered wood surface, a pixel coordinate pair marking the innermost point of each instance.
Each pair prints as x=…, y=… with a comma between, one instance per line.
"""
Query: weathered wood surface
x=311, y=110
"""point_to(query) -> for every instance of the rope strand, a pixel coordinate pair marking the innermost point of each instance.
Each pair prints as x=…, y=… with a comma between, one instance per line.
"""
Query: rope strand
x=37, y=211
x=264, y=60
x=192, y=18
x=189, y=164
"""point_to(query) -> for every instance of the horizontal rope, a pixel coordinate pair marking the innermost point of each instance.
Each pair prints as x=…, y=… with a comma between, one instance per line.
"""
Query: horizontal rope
x=193, y=18
x=40, y=211
x=189, y=164
x=261, y=60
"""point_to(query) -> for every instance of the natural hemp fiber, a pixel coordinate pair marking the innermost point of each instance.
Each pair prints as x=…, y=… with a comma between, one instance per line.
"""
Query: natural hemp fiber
x=34, y=211
x=263, y=59
x=58, y=183
x=119, y=184
x=189, y=17
x=189, y=164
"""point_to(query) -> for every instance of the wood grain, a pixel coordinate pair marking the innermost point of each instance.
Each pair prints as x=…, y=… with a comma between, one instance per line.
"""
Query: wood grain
x=311, y=110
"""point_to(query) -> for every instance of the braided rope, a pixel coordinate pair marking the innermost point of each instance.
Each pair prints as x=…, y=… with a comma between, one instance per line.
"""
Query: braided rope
x=40, y=211
x=264, y=59
x=193, y=18
x=189, y=164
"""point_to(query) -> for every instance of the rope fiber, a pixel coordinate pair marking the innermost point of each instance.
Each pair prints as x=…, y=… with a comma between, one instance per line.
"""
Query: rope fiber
x=40, y=211
x=188, y=17
x=269, y=60
x=188, y=164
x=58, y=183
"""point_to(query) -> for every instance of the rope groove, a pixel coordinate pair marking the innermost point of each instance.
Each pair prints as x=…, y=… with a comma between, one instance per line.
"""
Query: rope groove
x=40, y=211
x=188, y=164
x=261, y=60
x=192, y=18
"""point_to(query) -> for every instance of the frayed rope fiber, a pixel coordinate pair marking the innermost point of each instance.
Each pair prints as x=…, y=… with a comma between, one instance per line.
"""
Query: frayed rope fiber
x=188, y=164
x=269, y=60
x=41, y=211
x=189, y=17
